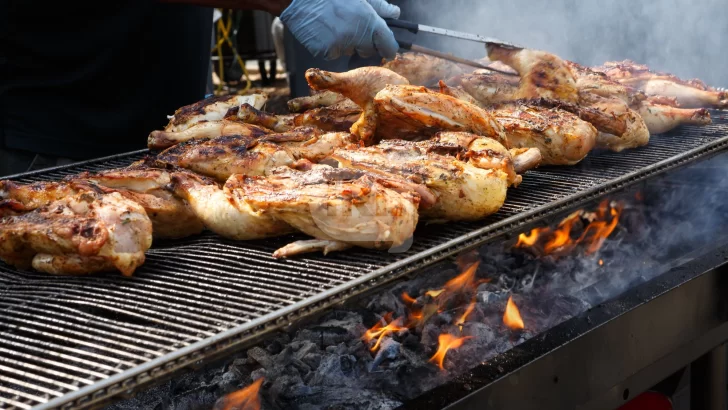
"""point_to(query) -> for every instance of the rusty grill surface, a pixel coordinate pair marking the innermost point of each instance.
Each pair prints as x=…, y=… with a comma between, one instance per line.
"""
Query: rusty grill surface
x=79, y=341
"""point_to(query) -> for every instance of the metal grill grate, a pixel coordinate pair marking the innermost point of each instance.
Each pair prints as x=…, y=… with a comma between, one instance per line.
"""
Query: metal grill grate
x=75, y=341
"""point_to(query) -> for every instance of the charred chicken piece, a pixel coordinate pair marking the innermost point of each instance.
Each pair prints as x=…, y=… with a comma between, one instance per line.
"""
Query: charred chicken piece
x=421, y=69
x=560, y=136
x=278, y=123
x=204, y=130
x=211, y=109
x=84, y=233
x=222, y=157
x=689, y=93
x=360, y=86
x=463, y=191
x=542, y=74
x=636, y=133
x=222, y=211
x=330, y=119
x=337, y=206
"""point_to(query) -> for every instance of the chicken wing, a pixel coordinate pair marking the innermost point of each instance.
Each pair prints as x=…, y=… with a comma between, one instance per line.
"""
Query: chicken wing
x=421, y=69
x=332, y=204
x=222, y=211
x=360, y=86
x=211, y=109
x=84, y=233
x=689, y=94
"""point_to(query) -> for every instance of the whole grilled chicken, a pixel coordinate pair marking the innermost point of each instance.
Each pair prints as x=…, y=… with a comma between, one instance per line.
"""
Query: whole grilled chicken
x=463, y=191
x=689, y=94
x=211, y=109
x=421, y=69
x=204, y=130
x=222, y=157
x=222, y=211
x=86, y=232
x=337, y=206
x=542, y=74
x=360, y=86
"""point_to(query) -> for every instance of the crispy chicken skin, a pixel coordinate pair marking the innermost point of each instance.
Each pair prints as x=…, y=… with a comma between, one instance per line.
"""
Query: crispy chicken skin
x=211, y=109
x=636, y=133
x=689, y=93
x=413, y=112
x=319, y=99
x=463, y=190
x=205, y=130
x=222, y=211
x=421, y=69
x=488, y=88
x=278, y=123
x=561, y=137
x=662, y=115
x=542, y=74
x=84, y=233
x=360, y=86
x=330, y=119
x=222, y=157
x=333, y=204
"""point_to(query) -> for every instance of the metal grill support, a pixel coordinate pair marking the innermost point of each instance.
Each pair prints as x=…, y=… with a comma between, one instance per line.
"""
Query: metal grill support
x=76, y=341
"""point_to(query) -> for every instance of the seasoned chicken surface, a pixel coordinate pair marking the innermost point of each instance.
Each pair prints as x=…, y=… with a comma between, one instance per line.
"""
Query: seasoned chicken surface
x=360, y=86
x=488, y=88
x=84, y=233
x=211, y=109
x=636, y=133
x=661, y=115
x=330, y=119
x=319, y=99
x=689, y=93
x=542, y=74
x=332, y=204
x=412, y=112
x=560, y=136
x=222, y=157
x=224, y=212
x=278, y=123
x=596, y=82
x=205, y=130
x=422, y=69
x=463, y=190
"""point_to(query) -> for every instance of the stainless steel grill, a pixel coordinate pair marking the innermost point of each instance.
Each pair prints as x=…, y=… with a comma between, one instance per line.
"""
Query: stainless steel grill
x=78, y=341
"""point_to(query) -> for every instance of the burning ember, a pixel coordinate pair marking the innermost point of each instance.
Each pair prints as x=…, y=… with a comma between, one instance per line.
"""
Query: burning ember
x=512, y=317
x=446, y=342
x=244, y=399
x=379, y=332
x=559, y=241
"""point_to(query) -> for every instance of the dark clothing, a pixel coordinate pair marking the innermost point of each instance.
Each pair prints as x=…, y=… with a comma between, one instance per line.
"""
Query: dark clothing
x=81, y=81
x=16, y=161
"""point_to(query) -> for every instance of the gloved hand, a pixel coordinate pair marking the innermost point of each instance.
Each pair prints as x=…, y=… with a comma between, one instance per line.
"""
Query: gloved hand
x=335, y=27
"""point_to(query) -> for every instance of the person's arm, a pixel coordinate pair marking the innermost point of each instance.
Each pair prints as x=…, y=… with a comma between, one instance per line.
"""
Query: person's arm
x=274, y=7
x=331, y=28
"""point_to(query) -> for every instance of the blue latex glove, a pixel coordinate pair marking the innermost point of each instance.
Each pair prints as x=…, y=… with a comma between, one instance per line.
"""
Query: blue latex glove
x=333, y=28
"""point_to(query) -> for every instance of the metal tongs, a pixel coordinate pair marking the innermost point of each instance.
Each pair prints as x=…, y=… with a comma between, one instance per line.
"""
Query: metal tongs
x=416, y=28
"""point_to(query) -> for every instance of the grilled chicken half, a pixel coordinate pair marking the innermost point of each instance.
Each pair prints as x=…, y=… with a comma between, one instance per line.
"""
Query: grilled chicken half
x=463, y=190
x=86, y=232
x=689, y=93
x=205, y=130
x=339, y=207
x=211, y=109
x=662, y=114
x=222, y=157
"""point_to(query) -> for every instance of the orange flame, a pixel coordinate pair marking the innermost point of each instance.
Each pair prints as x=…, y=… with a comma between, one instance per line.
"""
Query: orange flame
x=244, y=399
x=445, y=343
x=461, y=321
x=512, y=317
x=601, y=262
x=559, y=241
x=408, y=299
x=379, y=332
x=434, y=293
x=464, y=281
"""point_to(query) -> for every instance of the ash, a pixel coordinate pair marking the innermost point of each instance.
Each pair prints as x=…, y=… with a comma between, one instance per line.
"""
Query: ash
x=329, y=364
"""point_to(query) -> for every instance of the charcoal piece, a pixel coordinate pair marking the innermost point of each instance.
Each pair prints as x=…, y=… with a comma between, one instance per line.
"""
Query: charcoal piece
x=276, y=345
x=260, y=356
x=358, y=348
x=227, y=381
x=430, y=335
x=325, y=336
x=344, y=398
x=280, y=386
x=335, y=370
x=480, y=332
x=300, y=366
x=313, y=360
x=304, y=348
x=257, y=374
x=388, y=350
x=387, y=302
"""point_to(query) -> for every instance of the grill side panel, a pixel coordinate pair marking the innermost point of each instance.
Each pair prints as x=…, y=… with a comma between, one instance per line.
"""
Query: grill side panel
x=80, y=340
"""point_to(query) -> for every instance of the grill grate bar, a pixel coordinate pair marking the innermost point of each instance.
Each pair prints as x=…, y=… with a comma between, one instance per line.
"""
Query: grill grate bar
x=99, y=331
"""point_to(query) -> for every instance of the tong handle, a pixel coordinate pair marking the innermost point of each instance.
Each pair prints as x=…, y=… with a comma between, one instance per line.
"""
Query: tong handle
x=404, y=45
x=407, y=25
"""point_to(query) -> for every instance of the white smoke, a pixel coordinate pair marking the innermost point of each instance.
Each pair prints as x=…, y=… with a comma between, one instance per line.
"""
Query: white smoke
x=685, y=38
